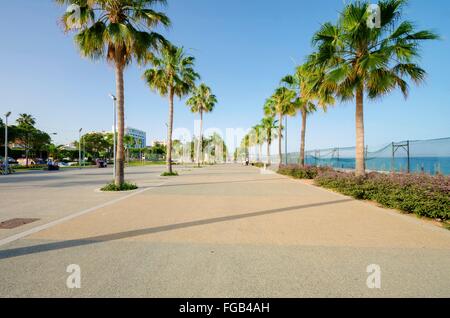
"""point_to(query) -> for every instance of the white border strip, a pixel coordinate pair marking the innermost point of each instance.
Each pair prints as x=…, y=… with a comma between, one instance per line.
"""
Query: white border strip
x=42, y=227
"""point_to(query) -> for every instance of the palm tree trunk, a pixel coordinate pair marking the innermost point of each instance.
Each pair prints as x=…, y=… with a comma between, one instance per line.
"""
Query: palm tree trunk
x=120, y=153
x=200, y=140
x=26, y=156
x=280, y=132
x=302, y=139
x=169, y=132
x=268, y=152
x=360, y=162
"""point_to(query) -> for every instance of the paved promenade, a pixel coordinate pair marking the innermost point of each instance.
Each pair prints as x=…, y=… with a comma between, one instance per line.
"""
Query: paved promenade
x=219, y=231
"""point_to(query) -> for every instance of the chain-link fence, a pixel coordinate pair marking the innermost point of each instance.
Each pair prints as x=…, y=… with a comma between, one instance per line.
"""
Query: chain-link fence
x=427, y=156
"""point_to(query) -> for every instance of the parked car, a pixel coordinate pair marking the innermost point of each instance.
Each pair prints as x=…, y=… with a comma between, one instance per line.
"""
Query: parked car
x=52, y=165
x=11, y=161
x=100, y=163
x=63, y=164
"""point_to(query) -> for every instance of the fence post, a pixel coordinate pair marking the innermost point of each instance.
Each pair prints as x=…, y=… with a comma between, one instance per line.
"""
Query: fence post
x=407, y=152
x=393, y=159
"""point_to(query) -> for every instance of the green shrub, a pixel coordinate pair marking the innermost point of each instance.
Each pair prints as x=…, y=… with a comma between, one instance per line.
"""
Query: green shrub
x=260, y=164
x=111, y=187
x=169, y=174
x=420, y=194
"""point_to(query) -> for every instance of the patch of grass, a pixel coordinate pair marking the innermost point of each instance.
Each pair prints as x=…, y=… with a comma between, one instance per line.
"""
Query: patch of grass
x=169, y=174
x=111, y=187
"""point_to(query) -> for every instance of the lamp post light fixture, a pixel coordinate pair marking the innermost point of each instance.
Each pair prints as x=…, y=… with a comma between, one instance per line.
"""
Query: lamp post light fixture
x=114, y=134
x=6, y=161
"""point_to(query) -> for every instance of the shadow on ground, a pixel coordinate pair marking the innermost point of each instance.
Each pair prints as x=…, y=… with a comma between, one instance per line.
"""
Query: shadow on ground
x=15, y=252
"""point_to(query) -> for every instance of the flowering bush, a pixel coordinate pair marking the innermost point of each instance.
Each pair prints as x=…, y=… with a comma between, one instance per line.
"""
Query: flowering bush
x=421, y=194
x=299, y=172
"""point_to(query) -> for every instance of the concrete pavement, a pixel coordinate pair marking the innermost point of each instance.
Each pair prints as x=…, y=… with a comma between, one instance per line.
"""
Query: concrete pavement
x=49, y=196
x=230, y=231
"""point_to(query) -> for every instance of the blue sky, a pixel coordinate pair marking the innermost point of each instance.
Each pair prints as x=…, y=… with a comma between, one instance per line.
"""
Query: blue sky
x=243, y=48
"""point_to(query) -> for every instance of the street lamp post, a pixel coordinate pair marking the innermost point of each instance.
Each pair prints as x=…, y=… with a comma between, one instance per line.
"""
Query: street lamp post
x=114, y=133
x=79, y=147
x=6, y=161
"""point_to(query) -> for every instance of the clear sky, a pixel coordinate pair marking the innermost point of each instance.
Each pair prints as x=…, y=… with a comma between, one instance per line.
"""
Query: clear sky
x=243, y=48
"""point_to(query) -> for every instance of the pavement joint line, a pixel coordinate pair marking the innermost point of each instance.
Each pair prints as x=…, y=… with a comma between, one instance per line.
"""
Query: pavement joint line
x=46, y=226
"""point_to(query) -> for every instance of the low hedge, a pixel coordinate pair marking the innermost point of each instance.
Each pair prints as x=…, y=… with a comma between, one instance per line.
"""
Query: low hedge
x=421, y=194
x=301, y=172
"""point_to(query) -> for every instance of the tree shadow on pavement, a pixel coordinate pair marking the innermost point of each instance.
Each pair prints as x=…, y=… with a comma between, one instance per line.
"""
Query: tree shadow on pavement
x=15, y=252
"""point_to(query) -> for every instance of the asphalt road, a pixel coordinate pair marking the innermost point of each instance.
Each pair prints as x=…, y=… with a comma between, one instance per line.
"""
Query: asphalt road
x=223, y=231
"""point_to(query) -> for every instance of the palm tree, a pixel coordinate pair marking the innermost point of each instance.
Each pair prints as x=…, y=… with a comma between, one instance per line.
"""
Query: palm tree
x=202, y=101
x=26, y=120
x=269, y=125
x=258, y=140
x=172, y=75
x=25, y=124
x=119, y=31
x=363, y=61
x=280, y=104
x=305, y=82
x=129, y=142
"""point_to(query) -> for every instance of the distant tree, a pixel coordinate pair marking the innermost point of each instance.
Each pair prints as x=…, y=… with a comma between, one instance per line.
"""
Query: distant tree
x=269, y=126
x=202, y=101
x=280, y=104
x=95, y=143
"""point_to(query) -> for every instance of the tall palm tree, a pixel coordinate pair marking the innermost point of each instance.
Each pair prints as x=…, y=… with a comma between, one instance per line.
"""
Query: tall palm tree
x=364, y=61
x=119, y=31
x=310, y=95
x=269, y=125
x=280, y=104
x=172, y=75
x=202, y=101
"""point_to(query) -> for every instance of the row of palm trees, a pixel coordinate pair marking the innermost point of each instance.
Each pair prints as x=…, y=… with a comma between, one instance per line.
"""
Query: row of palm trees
x=352, y=61
x=123, y=31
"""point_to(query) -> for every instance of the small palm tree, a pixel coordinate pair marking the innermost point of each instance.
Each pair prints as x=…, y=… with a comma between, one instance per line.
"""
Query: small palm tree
x=202, y=101
x=119, y=31
x=280, y=104
x=269, y=126
x=26, y=120
x=25, y=124
x=364, y=61
x=172, y=75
